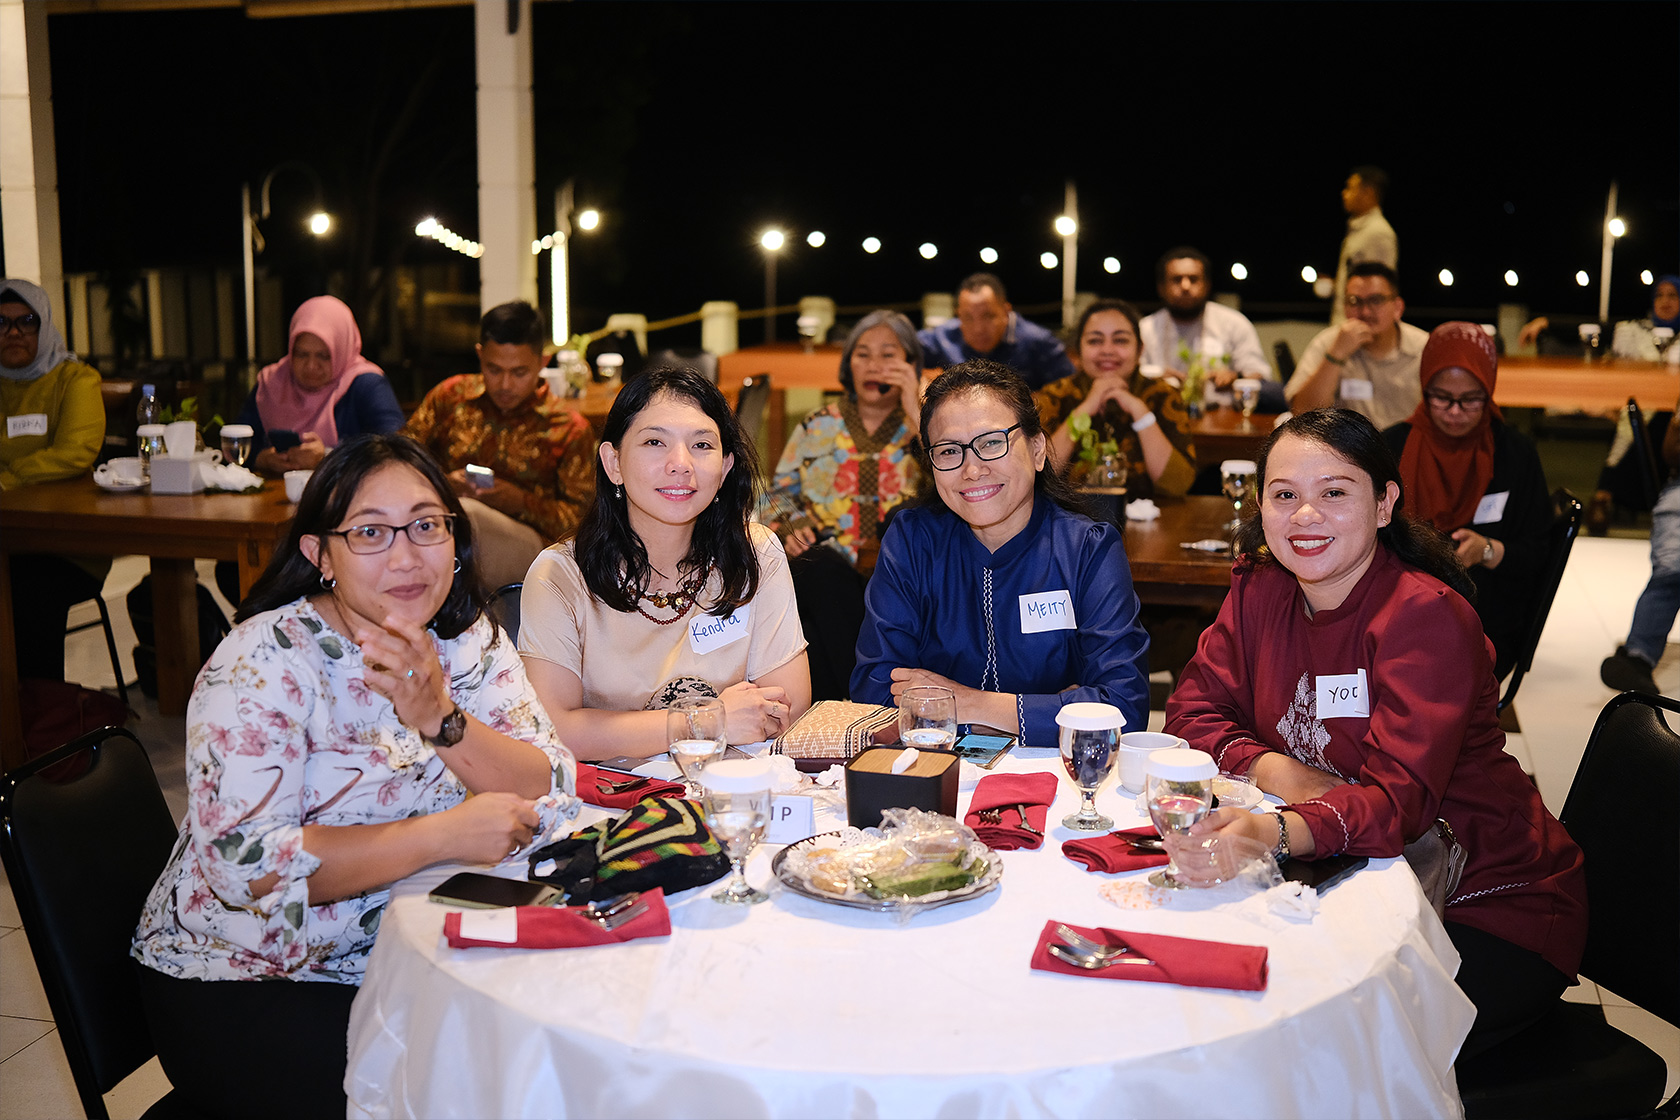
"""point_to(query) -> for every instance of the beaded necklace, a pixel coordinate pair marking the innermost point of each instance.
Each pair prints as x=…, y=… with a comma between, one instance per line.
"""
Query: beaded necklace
x=679, y=600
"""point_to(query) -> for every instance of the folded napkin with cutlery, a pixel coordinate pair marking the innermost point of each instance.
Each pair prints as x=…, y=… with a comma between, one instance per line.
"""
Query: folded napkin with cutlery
x=610, y=790
x=1177, y=960
x=1111, y=853
x=1011, y=795
x=551, y=927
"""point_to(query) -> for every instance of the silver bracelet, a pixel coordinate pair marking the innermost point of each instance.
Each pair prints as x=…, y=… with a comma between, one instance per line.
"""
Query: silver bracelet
x=1140, y=425
x=1281, y=852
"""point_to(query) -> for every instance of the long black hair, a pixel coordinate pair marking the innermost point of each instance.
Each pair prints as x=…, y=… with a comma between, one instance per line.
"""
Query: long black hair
x=1354, y=438
x=612, y=558
x=325, y=502
x=982, y=376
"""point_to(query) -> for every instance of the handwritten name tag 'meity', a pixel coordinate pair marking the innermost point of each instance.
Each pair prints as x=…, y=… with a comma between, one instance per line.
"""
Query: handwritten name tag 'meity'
x=1342, y=695
x=708, y=632
x=1048, y=610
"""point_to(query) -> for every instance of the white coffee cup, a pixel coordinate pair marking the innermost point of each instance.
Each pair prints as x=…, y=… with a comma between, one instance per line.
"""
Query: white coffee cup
x=1135, y=749
x=181, y=438
x=295, y=482
x=126, y=470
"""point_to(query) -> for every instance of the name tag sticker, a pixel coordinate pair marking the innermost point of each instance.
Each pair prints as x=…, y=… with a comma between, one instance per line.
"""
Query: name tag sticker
x=1342, y=695
x=792, y=818
x=1491, y=508
x=1357, y=389
x=29, y=424
x=1048, y=610
x=708, y=632
x=500, y=925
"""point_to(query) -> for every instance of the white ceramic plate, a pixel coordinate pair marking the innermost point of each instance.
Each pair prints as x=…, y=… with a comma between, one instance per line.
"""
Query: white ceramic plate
x=116, y=486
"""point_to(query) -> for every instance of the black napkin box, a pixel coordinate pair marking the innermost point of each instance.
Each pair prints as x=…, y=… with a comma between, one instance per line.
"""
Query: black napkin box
x=872, y=787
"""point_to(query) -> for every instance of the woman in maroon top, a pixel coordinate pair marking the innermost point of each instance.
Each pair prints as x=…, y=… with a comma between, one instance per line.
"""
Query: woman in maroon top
x=1348, y=675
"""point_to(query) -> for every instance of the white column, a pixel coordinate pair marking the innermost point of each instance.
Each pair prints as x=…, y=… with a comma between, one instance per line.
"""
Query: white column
x=507, y=198
x=78, y=336
x=718, y=327
x=937, y=307
x=28, y=155
x=823, y=308
x=1070, y=255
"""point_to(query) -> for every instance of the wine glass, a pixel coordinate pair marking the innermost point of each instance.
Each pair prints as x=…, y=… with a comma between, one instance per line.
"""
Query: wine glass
x=1180, y=793
x=736, y=805
x=1089, y=738
x=1248, y=394
x=236, y=443
x=1237, y=477
x=927, y=717
x=696, y=728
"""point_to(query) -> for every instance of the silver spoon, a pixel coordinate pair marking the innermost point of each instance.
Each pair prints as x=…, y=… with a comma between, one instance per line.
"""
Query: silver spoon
x=1094, y=961
x=1083, y=945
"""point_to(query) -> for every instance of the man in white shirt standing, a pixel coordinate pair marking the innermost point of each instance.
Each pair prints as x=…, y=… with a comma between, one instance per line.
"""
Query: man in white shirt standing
x=1369, y=236
x=1370, y=362
x=1189, y=324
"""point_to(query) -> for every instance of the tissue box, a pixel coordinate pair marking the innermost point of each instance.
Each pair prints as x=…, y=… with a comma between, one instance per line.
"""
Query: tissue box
x=176, y=476
x=871, y=786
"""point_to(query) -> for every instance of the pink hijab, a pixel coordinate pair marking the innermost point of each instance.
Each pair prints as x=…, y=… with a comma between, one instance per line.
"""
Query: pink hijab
x=283, y=403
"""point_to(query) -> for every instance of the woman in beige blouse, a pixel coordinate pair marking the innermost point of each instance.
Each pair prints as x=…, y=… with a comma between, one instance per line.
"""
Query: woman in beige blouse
x=666, y=590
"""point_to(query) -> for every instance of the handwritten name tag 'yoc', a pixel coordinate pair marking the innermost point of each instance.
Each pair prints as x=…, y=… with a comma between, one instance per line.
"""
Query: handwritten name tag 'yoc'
x=1048, y=610
x=707, y=632
x=1342, y=695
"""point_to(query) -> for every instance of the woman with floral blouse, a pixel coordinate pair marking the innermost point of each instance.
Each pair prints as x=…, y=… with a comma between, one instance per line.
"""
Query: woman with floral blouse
x=333, y=740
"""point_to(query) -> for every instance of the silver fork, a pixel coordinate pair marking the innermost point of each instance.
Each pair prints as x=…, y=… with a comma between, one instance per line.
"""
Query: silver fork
x=1084, y=946
x=990, y=816
x=1022, y=809
x=1093, y=961
x=623, y=916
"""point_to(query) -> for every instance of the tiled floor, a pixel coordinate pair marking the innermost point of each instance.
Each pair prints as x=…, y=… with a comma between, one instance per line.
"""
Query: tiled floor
x=1558, y=703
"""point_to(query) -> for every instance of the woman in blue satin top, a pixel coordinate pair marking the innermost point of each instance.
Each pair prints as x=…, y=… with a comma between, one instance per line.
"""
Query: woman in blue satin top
x=995, y=586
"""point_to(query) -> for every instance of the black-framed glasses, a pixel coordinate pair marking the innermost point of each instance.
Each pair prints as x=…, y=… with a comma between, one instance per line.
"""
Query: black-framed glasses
x=27, y=323
x=433, y=529
x=948, y=456
x=1375, y=303
x=1445, y=401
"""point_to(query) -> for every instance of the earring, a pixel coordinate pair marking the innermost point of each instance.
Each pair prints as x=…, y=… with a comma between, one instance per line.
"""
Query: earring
x=457, y=565
x=618, y=491
x=327, y=584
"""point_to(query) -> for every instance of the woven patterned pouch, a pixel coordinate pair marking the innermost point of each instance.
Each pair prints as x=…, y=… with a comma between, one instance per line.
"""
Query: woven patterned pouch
x=835, y=730
x=660, y=842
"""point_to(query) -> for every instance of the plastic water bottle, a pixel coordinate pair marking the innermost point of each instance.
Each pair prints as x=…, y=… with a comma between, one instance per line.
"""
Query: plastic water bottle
x=149, y=412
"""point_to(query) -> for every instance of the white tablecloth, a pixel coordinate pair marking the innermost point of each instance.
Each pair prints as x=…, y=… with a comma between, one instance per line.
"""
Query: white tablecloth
x=797, y=1008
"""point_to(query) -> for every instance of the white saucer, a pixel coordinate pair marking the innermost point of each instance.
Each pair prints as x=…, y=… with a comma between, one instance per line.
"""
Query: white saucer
x=115, y=486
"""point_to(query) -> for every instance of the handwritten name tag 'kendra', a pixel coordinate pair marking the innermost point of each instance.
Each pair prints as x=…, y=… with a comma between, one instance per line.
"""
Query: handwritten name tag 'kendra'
x=708, y=632
x=1342, y=695
x=1048, y=610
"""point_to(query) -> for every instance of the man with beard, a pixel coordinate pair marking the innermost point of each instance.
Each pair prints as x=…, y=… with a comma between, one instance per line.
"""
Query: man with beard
x=986, y=326
x=1189, y=325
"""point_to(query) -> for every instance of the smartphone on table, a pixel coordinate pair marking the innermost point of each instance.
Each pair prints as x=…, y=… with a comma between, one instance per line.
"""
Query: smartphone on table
x=283, y=439
x=1321, y=874
x=982, y=749
x=478, y=891
x=482, y=477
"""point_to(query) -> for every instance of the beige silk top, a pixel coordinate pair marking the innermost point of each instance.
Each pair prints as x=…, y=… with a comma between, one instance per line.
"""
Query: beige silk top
x=624, y=660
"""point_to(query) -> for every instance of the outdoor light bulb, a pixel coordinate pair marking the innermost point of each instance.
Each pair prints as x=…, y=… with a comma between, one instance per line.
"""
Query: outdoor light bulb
x=1582, y=279
x=772, y=239
x=1066, y=226
x=1239, y=271
x=928, y=250
x=1617, y=227
x=589, y=219
x=1646, y=278
x=536, y=247
x=1510, y=277
x=320, y=223
x=1324, y=287
x=1309, y=274
x=1048, y=260
x=1111, y=265
x=426, y=227
x=816, y=238
x=989, y=255
x=872, y=244
x=1446, y=277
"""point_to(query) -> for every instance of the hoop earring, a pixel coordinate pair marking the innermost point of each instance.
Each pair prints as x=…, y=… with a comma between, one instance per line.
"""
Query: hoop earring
x=457, y=565
x=327, y=584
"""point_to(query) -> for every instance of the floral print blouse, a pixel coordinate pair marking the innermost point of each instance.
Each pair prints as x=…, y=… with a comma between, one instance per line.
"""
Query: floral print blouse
x=282, y=731
x=1057, y=400
x=836, y=474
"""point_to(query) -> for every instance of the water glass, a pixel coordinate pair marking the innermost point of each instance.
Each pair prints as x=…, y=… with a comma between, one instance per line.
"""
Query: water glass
x=696, y=729
x=1248, y=394
x=1237, y=476
x=1089, y=738
x=927, y=717
x=1180, y=793
x=736, y=805
x=152, y=445
x=236, y=443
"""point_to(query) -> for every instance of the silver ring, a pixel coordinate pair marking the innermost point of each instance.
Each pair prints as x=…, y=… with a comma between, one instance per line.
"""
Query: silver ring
x=411, y=674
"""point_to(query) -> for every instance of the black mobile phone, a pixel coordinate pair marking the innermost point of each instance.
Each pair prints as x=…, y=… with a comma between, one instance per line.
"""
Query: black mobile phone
x=283, y=439
x=1321, y=874
x=478, y=891
x=984, y=750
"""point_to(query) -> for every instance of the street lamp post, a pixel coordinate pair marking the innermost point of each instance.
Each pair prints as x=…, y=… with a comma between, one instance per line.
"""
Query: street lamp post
x=1614, y=227
x=772, y=241
x=1068, y=226
x=320, y=223
x=559, y=262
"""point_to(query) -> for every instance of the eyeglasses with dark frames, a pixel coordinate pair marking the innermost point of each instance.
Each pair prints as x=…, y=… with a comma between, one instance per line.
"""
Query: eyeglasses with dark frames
x=365, y=540
x=987, y=446
x=1445, y=402
x=1375, y=303
x=27, y=323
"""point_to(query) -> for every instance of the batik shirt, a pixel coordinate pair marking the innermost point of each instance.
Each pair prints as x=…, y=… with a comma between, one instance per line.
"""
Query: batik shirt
x=1057, y=400
x=542, y=446
x=282, y=732
x=836, y=474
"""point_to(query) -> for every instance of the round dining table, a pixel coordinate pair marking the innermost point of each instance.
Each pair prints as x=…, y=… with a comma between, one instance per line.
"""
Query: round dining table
x=802, y=1008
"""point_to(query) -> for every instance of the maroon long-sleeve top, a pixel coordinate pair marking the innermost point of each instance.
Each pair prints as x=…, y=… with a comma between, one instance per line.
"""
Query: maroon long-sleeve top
x=1423, y=741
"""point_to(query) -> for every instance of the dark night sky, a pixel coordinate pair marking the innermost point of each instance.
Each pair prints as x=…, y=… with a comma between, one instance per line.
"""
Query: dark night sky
x=692, y=126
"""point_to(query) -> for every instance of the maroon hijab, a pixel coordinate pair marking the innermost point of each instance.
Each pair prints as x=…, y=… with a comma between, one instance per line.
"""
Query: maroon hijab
x=1444, y=477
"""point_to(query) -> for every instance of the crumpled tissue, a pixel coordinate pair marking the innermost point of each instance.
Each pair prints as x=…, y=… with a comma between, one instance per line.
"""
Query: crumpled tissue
x=228, y=476
x=1287, y=903
x=1143, y=509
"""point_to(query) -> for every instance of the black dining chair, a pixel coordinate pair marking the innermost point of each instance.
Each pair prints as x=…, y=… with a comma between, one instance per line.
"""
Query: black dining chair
x=110, y=640
x=1573, y=1063
x=701, y=362
x=82, y=846
x=750, y=405
x=1560, y=541
x=504, y=608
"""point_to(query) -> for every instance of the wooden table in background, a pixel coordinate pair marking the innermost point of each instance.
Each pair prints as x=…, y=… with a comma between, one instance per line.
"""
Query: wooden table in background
x=789, y=367
x=1570, y=383
x=1165, y=573
x=1223, y=433
x=76, y=518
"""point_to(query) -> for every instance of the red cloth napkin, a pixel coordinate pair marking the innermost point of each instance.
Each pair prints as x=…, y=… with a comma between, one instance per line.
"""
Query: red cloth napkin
x=1006, y=791
x=564, y=927
x=1111, y=854
x=1178, y=960
x=592, y=786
